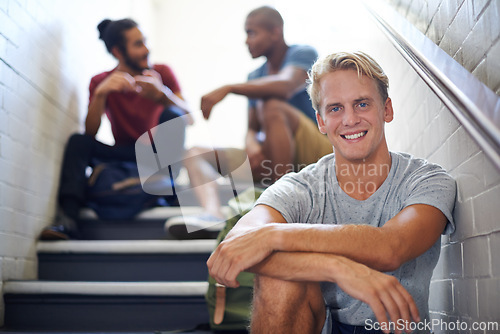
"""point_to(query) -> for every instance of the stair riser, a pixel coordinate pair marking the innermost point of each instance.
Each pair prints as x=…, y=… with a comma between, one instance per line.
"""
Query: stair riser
x=123, y=267
x=102, y=313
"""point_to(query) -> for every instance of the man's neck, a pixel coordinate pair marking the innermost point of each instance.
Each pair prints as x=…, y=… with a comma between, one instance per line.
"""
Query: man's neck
x=361, y=179
x=276, y=58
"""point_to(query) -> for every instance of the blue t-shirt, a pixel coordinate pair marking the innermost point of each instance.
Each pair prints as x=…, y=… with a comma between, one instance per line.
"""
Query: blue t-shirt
x=313, y=196
x=301, y=56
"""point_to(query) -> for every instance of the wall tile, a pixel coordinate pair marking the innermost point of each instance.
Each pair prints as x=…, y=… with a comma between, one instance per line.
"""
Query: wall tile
x=479, y=6
x=441, y=296
x=492, y=67
x=459, y=29
x=470, y=177
x=476, y=44
x=465, y=297
x=452, y=260
x=495, y=258
x=476, y=257
x=489, y=295
x=491, y=173
x=487, y=208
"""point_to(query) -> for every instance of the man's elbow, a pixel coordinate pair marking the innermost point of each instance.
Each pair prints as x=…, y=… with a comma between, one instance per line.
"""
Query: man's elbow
x=391, y=259
x=390, y=264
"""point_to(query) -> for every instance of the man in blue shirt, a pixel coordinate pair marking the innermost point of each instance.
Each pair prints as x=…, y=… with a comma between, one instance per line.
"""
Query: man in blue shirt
x=282, y=133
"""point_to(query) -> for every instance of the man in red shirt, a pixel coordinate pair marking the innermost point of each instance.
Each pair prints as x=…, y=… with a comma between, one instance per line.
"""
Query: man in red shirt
x=135, y=97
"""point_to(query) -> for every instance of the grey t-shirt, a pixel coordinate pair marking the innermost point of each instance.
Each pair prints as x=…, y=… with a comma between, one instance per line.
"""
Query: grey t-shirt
x=313, y=196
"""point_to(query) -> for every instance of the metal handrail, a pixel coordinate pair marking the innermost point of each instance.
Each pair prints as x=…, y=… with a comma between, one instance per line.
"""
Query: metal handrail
x=474, y=105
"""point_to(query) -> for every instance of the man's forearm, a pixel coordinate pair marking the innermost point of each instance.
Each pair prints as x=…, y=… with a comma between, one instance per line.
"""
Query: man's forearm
x=406, y=236
x=299, y=266
x=96, y=109
x=266, y=87
x=362, y=243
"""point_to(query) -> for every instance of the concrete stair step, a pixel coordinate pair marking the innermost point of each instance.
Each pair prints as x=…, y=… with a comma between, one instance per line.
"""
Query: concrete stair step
x=103, y=306
x=124, y=260
x=148, y=225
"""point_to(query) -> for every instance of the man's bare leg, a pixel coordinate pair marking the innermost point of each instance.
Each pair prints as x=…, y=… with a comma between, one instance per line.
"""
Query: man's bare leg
x=287, y=307
x=279, y=121
x=201, y=174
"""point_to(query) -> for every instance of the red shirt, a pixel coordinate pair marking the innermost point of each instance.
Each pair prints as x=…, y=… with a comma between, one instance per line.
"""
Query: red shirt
x=131, y=114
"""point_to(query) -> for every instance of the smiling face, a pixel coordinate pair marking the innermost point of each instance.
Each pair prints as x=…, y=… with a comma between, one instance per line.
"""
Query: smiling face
x=353, y=116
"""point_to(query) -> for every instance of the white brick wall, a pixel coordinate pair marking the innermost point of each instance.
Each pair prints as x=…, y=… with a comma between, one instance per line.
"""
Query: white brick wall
x=467, y=30
x=48, y=52
x=466, y=282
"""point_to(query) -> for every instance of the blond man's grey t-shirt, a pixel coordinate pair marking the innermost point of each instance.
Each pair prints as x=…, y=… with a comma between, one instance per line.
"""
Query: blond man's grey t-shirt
x=313, y=196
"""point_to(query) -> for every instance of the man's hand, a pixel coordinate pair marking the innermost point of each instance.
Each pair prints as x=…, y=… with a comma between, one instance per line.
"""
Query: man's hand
x=149, y=85
x=116, y=82
x=383, y=293
x=209, y=100
x=235, y=254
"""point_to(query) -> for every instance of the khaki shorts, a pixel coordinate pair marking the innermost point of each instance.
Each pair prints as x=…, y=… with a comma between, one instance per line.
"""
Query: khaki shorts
x=310, y=144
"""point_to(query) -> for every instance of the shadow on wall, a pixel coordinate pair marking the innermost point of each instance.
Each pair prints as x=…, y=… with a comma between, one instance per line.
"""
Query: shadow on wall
x=54, y=112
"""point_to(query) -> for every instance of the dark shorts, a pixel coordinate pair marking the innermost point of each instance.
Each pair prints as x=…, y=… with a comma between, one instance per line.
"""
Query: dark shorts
x=340, y=328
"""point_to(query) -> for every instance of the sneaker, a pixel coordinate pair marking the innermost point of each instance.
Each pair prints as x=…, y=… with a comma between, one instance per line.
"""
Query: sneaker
x=202, y=226
x=64, y=228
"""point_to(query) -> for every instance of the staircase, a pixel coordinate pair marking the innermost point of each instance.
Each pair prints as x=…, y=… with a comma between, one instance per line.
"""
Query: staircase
x=123, y=276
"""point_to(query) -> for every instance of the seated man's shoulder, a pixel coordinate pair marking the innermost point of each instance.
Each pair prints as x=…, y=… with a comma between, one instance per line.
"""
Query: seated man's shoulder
x=412, y=162
x=161, y=67
x=101, y=76
x=303, y=50
x=420, y=168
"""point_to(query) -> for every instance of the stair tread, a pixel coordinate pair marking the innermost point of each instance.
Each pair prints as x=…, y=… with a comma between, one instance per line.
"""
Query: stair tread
x=127, y=246
x=107, y=288
x=155, y=213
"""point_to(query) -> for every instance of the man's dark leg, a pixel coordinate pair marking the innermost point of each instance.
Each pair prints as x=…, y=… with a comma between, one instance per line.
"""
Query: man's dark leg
x=279, y=122
x=79, y=154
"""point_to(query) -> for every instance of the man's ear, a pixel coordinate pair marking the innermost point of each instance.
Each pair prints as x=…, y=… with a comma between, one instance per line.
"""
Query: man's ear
x=116, y=52
x=388, y=111
x=321, y=123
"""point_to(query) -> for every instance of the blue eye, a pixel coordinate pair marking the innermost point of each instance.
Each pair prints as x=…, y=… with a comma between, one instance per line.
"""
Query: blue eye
x=363, y=105
x=335, y=109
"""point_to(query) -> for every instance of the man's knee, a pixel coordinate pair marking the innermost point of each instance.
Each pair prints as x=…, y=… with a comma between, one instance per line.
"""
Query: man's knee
x=286, y=293
x=169, y=113
x=288, y=302
x=272, y=110
x=78, y=142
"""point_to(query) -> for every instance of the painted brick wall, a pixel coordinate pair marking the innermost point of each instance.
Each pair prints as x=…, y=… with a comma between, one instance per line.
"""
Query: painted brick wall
x=468, y=30
x=466, y=283
x=48, y=52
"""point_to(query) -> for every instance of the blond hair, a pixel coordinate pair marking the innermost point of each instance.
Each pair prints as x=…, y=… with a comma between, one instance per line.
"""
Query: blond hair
x=358, y=61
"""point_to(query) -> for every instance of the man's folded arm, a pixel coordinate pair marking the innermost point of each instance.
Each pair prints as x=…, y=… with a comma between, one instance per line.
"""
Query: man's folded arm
x=406, y=236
